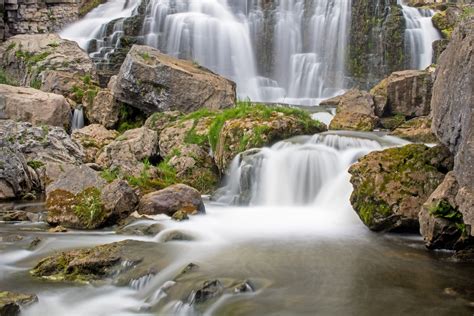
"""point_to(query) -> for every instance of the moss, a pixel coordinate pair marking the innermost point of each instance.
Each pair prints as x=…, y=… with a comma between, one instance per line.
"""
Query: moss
x=129, y=118
x=441, y=22
x=89, y=208
x=393, y=122
x=35, y=164
x=5, y=79
x=89, y=5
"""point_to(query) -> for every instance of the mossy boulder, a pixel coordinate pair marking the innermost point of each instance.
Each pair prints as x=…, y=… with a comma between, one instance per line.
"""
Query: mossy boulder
x=391, y=185
x=355, y=111
x=82, y=199
x=416, y=130
x=125, y=260
x=11, y=302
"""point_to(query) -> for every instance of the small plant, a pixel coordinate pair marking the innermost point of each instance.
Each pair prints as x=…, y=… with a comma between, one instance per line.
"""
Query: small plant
x=89, y=208
x=146, y=56
x=35, y=164
x=110, y=175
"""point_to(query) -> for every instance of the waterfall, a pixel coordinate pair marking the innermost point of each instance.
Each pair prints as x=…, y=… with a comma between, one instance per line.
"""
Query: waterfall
x=77, y=119
x=294, y=172
x=419, y=36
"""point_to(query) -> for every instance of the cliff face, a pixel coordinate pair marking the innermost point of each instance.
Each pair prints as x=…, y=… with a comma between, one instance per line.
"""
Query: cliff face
x=36, y=16
x=376, y=46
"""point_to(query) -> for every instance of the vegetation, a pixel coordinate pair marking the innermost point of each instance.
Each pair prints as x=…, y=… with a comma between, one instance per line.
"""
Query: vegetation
x=129, y=118
x=89, y=5
x=4, y=78
x=35, y=164
x=444, y=209
x=89, y=208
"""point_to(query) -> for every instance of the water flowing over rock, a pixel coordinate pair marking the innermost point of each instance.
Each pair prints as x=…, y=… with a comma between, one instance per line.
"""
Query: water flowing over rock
x=154, y=82
x=34, y=106
x=405, y=93
x=355, y=111
x=390, y=186
x=11, y=303
x=453, y=115
x=175, y=198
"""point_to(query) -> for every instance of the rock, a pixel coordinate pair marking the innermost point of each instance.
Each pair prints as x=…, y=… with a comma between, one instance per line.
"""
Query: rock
x=453, y=115
x=438, y=48
x=176, y=235
x=16, y=178
x=140, y=229
x=45, y=61
x=258, y=128
x=160, y=120
x=104, y=110
x=34, y=106
x=81, y=199
x=180, y=216
x=178, y=197
x=93, y=138
x=355, y=111
x=34, y=243
x=391, y=185
x=209, y=290
x=441, y=223
x=416, y=130
x=123, y=261
x=120, y=199
x=11, y=303
x=154, y=82
x=58, y=229
x=16, y=216
x=41, y=144
x=405, y=92
x=127, y=152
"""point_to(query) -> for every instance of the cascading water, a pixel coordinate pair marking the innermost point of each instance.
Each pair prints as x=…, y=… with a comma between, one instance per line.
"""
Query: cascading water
x=77, y=121
x=419, y=36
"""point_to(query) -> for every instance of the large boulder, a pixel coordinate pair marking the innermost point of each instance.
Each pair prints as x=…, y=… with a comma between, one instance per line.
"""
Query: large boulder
x=405, y=93
x=104, y=109
x=93, y=138
x=34, y=106
x=452, y=111
x=11, y=302
x=155, y=82
x=82, y=199
x=128, y=152
x=16, y=178
x=41, y=143
x=173, y=199
x=355, y=111
x=441, y=223
x=45, y=61
x=391, y=185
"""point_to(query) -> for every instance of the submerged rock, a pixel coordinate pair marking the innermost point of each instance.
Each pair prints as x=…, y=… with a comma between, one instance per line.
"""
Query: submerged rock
x=10, y=302
x=178, y=197
x=155, y=82
x=391, y=185
x=209, y=290
x=355, y=111
x=34, y=106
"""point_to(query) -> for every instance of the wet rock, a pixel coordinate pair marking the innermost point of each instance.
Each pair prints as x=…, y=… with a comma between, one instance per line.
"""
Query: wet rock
x=12, y=238
x=11, y=303
x=17, y=216
x=180, y=216
x=127, y=152
x=81, y=199
x=34, y=243
x=178, y=197
x=34, y=106
x=452, y=113
x=405, y=92
x=140, y=229
x=244, y=287
x=16, y=177
x=45, y=61
x=209, y=290
x=355, y=111
x=176, y=236
x=391, y=185
x=58, y=229
x=154, y=82
x=465, y=255
x=416, y=130
x=93, y=138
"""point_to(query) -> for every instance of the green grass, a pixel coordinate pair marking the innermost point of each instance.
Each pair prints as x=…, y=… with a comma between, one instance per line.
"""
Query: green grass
x=5, y=79
x=35, y=164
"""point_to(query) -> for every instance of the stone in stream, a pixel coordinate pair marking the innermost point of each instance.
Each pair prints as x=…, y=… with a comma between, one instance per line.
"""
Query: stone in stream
x=178, y=197
x=391, y=185
x=11, y=302
x=155, y=82
x=209, y=290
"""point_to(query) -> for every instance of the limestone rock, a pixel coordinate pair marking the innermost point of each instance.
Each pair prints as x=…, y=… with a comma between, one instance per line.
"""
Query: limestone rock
x=355, y=111
x=93, y=138
x=416, y=130
x=120, y=199
x=104, y=109
x=178, y=197
x=127, y=152
x=34, y=106
x=405, y=92
x=10, y=302
x=391, y=185
x=160, y=120
x=154, y=82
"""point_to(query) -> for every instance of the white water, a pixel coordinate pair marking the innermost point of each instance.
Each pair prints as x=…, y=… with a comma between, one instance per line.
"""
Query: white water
x=419, y=36
x=77, y=121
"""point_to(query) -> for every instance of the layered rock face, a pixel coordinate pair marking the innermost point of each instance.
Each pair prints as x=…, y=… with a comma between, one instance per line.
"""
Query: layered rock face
x=154, y=82
x=453, y=116
x=376, y=45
